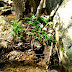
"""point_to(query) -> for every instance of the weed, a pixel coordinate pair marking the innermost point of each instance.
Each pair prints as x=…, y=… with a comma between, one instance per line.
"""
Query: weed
x=37, y=30
x=17, y=29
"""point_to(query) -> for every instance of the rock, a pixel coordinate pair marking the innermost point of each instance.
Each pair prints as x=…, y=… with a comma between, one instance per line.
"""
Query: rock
x=14, y=55
x=7, y=1
x=63, y=29
x=35, y=44
x=21, y=56
x=52, y=70
x=1, y=28
x=28, y=57
x=5, y=35
x=3, y=4
x=7, y=9
x=52, y=5
x=3, y=44
x=2, y=20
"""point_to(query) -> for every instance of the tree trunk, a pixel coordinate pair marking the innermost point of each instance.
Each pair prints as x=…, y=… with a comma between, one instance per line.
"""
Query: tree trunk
x=23, y=7
x=19, y=8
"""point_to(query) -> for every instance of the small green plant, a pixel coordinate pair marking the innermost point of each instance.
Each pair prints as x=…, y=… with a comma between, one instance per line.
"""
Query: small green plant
x=37, y=31
x=17, y=29
x=62, y=49
x=6, y=29
x=13, y=35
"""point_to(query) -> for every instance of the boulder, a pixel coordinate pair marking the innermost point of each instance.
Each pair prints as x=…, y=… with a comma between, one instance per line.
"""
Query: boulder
x=5, y=33
x=7, y=1
x=6, y=7
x=5, y=10
x=63, y=32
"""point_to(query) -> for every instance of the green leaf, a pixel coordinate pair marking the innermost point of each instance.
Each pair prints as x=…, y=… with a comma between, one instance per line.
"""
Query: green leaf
x=15, y=24
x=46, y=24
x=39, y=28
x=33, y=17
x=20, y=36
x=38, y=22
x=38, y=32
x=36, y=37
x=42, y=17
x=12, y=34
x=39, y=38
x=34, y=34
x=50, y=23
x=45, y=33
x=33, y=27
x=24, y=29
x=30, y=33
x=50, y=37
x=45, y=21
x=31, y=30
x=28, y=18
x=42, y=32
x=55, y=40
x=19, y=29
x=30, y=22
x=16, y=32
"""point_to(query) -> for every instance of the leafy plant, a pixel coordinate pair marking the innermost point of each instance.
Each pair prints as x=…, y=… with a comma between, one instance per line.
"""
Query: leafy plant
x=17, y=29
x=37, y=30
x=62, y=49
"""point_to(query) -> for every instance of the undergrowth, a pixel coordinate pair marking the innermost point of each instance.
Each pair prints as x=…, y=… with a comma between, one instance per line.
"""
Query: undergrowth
x=17, y=29
x=38, y=29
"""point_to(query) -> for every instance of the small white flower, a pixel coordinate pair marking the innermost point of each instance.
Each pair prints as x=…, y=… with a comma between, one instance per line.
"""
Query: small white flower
x=66, y=45
x=45, y=29
x=46, y=17
x=50, y=31
x=49, y=35
x=41, y=25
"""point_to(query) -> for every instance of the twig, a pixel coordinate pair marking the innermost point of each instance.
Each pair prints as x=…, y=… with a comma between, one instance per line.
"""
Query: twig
x=50, y=54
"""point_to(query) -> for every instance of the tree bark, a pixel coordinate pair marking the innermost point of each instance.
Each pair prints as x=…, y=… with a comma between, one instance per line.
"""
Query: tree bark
x=19, y=8
x=41, y=5
x=23, y=7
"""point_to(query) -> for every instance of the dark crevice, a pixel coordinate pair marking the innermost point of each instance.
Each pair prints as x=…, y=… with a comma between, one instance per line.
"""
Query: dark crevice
x=39, y=53
x=7, y=12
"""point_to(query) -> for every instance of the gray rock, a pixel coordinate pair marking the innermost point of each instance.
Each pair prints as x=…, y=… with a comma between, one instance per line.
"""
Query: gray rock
x=5, y=9
x=2, y=20
x=63, y=28
x=7, y=1
x=5, y=35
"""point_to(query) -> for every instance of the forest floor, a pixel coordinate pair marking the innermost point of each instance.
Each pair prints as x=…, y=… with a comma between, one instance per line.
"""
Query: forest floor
x=19, y=55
